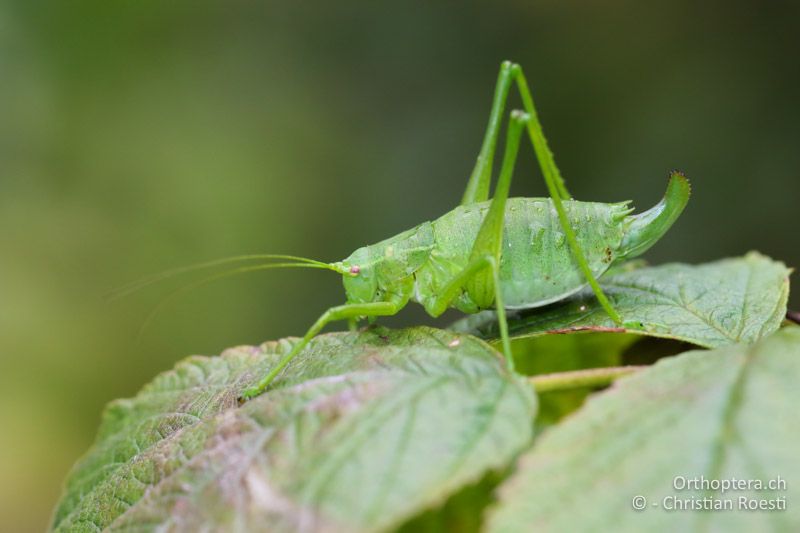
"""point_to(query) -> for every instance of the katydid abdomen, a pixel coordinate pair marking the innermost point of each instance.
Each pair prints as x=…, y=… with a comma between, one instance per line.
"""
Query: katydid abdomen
x=536, y=263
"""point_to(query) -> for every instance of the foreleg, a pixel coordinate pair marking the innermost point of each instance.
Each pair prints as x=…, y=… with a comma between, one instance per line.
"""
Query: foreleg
x=348, y=312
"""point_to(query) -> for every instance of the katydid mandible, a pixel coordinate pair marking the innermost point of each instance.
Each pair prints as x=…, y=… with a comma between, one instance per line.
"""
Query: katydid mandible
x=499, y=253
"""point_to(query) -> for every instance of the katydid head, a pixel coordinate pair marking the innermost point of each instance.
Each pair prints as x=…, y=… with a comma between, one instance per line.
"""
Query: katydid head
x=644, y=229
x=372, y=272
x=359, y=276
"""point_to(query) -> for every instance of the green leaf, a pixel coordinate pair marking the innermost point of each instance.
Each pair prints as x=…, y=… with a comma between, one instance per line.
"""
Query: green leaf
x=362, y=432
x=721, y=414
x=709, y=305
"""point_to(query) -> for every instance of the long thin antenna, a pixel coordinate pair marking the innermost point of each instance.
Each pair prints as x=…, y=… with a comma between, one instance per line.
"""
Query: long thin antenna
x=228, y=273
x=130, y=288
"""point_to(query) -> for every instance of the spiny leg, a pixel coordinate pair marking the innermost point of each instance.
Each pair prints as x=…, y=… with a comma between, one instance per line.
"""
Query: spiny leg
x=552, y=176
x=479, y=182
x=558, y=192
x=484, y=287
x=478, y=185
x=481, y=276
x=481, y=177
x=341, y=312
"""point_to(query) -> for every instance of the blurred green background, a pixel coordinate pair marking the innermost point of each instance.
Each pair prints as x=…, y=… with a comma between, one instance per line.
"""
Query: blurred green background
x=138, y=136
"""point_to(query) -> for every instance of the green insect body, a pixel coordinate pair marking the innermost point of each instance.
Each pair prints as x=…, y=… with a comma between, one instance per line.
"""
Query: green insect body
x=499, y=253
x=536, y=266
